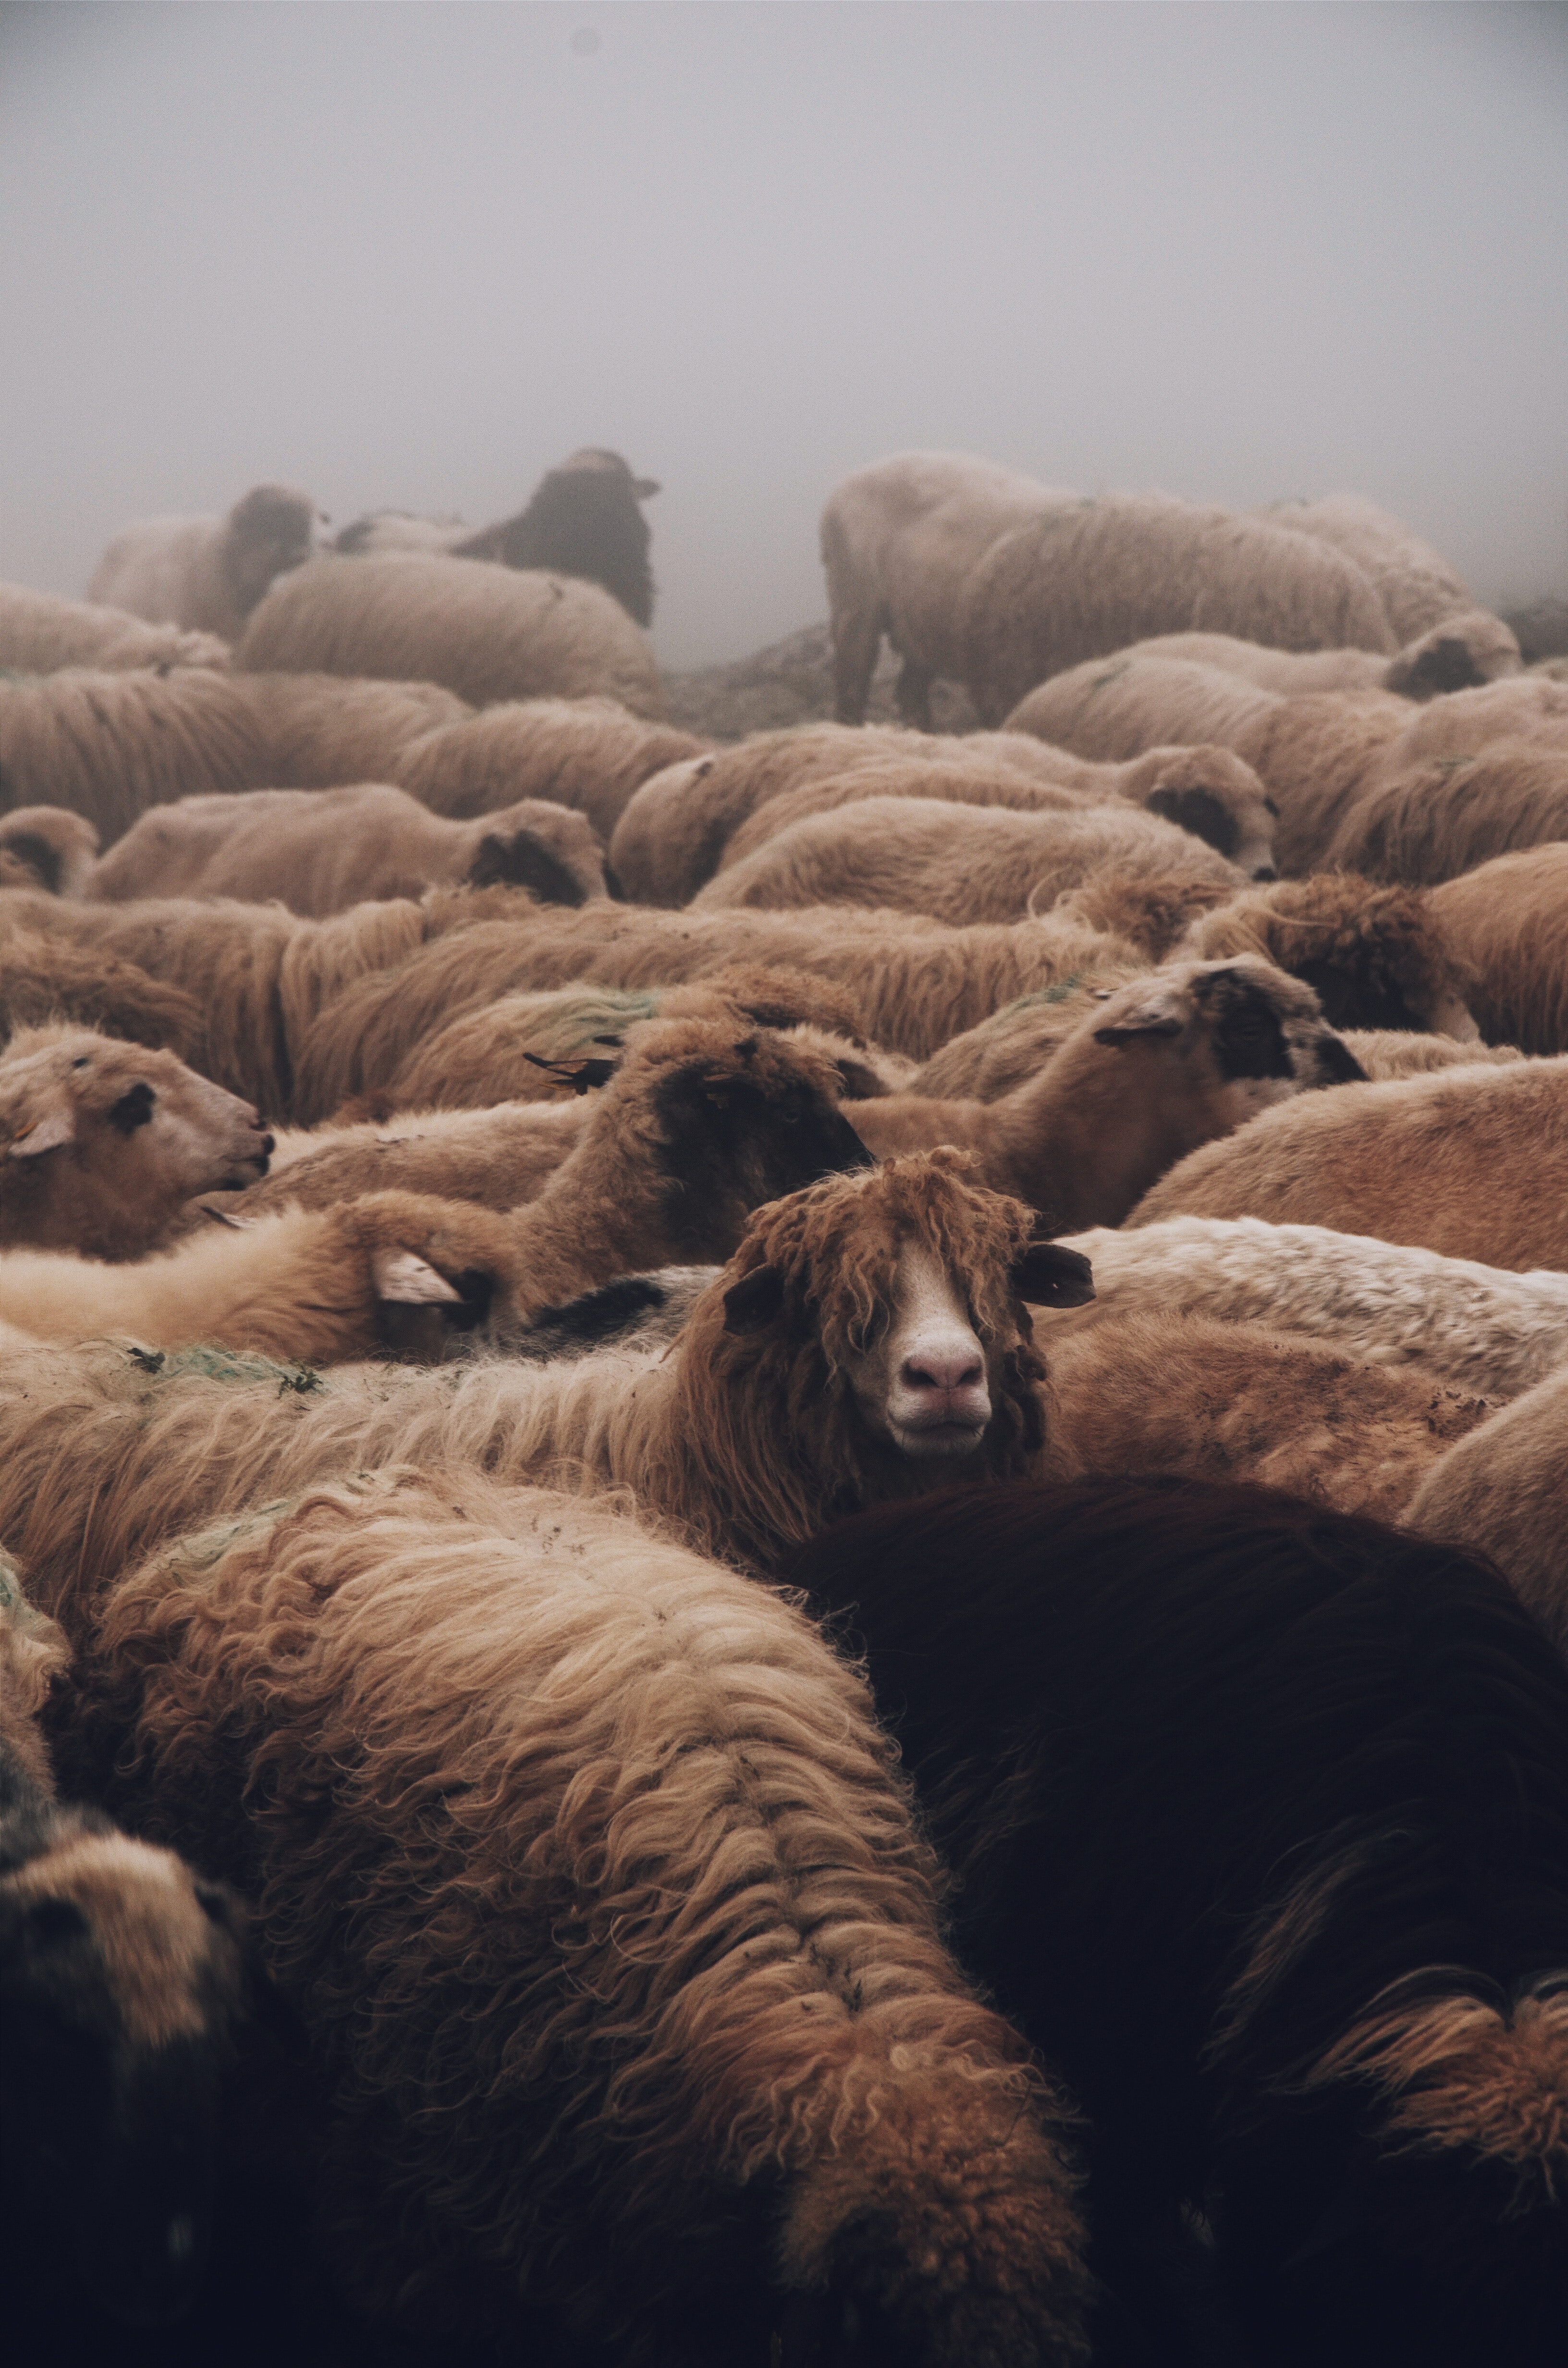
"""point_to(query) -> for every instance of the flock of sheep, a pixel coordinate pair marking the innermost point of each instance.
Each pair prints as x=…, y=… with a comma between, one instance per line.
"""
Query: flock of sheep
x=783, y=1524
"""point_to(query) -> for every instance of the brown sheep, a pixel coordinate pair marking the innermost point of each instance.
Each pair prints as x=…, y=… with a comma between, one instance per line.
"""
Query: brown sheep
x=208, y=573
x=329, y=731
x=44, y=979
x=591, y=754
x=102, y=1143
x=486, y=633
x=1085, y=580
x=1397, y=1052
x=1376, y=957
x=1465, y=650
x=960, y=864
x=41, y=632
x=1504, y=918
x=1502, y=1491
x=1111, y=710
x=319, y=851
x=47, y=848
x=778, y=2102
x=1428, y=820
x=1175, y=1059
x=110, y=745
x=1468, y=1161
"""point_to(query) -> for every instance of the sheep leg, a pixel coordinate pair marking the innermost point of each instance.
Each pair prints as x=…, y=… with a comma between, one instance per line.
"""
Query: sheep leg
x=857, y=638
x=914, y=696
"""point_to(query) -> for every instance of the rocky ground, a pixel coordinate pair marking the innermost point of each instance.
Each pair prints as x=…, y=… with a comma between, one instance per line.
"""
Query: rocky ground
x=791, y=683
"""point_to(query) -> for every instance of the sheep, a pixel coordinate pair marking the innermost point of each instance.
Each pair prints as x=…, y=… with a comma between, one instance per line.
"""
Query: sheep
x=1415, y=584
x=1492, y=1332
x=485, y=632
x=1396, y=1052
x=1110, y=709
x=1504, y=919
x=104, y=1141
x=1010, y=1047
x=1259, y=1816
x=330, y=731
x=43, y=980
x=777, y=2100
x=1177, y=1058
x=207, y=573
x=1084, y=580
x=1376, y=957
x=120, y=1987
x=1206, y=791
x=1463, y=650
x=110, y=745
x=591, y=754
x=1466, y=1161
x=320, y=851
x=960, y=864
x=912, y=983
x=1429, y=821
x=41, y=631
x=582, y=520
x=1501, y=1493
x=696, y=1129
x=898, y=540
x=47, y=848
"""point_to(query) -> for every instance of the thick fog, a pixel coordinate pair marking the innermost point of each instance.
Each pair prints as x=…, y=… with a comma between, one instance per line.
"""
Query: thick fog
x=410, y=256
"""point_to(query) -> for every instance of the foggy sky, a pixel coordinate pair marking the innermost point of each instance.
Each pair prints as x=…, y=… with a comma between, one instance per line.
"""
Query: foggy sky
x=411, y=255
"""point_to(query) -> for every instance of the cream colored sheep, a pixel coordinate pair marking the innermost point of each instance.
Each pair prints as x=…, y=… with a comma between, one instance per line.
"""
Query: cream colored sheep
x=110, y=745
x=41, y=632
x=1415, y=584
x=47, y=848
x=960, y=864
x=1502, y=1491
x=485, y=632
x=898, y=542
x=328, y=731
x=1429, y=820
x=1396, y=1052
x=1113, y=708
x=1469, y=1161
x=1505, y=919
x=100, y=1143
x=592, y=754
x=1467, y=649
x=43, y=979
x=1491, y=1331
x=1082, y=582
x=319, y=851
x=209, y=573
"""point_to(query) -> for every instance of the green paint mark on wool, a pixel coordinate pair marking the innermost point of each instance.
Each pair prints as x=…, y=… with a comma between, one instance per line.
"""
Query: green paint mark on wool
x=15, y=1608
x=213, y=1364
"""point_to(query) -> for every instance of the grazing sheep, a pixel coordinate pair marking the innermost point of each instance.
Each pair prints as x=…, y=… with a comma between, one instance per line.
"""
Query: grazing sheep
x=1502, y=1491
x=207, y=573
x=1376, y=957
x=1505, y=919
x=320, y=851
x=486, y=633
x=1010, y=1047
x=328, y=731
x=1415, y=584
x=41, y=631
x=1468, y=1161
x=110, y=745
x=912, y=983
x=1111, y=710
x=1152, y=914
x=103, y=1142
x=119, y=1982
x=1493, y=1332
x=1087, y=579
x=1395, y=1053
x=47, y=848
x=1430, y=820
x=1175, y=1059
x=898, y=542
x=640, y=2019
x=695, y=1130
x=1205, y=791
x=960, y=864
x=42, y=980
x=1462, y=652
x=591, y=754
x=1260, y=1818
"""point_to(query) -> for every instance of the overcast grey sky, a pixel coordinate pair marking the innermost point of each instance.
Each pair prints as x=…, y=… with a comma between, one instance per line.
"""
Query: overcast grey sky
x=410, y=256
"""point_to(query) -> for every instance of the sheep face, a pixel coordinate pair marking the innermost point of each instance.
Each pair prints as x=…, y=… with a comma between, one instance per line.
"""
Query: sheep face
x=1460, y=653
x=1217, y=798
x=120, y=1980
x=1258, y=1034
x=101, y=1142
x=47, y=848
x=269, y=532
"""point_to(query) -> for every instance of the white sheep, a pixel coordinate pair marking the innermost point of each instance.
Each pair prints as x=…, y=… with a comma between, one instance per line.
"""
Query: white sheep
x=41, y=631
x=207, y=573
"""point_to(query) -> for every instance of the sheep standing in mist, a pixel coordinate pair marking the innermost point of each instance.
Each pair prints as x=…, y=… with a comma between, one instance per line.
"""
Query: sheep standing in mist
x=207, y=573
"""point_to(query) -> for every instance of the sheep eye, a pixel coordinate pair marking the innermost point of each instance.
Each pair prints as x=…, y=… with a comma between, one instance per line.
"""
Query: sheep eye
x=1269, y=807
x=80, y=1063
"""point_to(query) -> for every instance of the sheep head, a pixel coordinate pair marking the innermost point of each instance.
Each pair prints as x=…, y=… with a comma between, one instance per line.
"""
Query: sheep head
x=1375, y=956
x=268, y=531
x=1216, y=797
x=47, y=848
x=1459, y=654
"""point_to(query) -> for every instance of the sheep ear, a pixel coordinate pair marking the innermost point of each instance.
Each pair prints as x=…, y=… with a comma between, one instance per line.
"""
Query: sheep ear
x=57, y=1126
x=755, y=1301
x=1156, y=1016
x=1047, y=1275
x=407, y=1280
x=645, y=487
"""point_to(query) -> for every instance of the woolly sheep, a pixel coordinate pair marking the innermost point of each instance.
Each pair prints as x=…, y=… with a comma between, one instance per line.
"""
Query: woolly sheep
x=1429, y=821
x=1395, y=1053
x=1415, y=584
x=1502, y=1491
x=330, y=731
x=1259, y=1821
x=591, y=754
x=1465, y=650
x=47, y=848
x=41, y=631
x=960, y=864
x=485, y=632
x=582, y=520
x=1492, y=1332
x=1467, y=1161
x=1177, y=1058
x=1505, y=919
x=320, y=851
x=898, y=540
x=42, y=980
x=207, y=573
x=103, y=1142
x=1090, y=578
x=1377, y=957
x=110, y=745
x=1111, y=710
x=782, y=2103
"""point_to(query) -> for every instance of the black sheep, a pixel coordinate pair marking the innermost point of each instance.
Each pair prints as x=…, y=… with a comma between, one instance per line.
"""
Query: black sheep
x=1260, y=1818
x=583, y=519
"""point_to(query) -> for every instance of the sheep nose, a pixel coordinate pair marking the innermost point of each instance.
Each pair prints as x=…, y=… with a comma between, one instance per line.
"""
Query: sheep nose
x=942, y=1369
x=1266, y=872
x=266, y=1146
